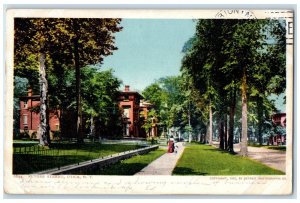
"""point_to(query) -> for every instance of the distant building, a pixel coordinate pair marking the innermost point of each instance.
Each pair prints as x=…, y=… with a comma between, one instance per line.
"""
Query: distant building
x=278, y=119
x=135, y=111
x=131, y=103
x=30, y=116
x=145, y=107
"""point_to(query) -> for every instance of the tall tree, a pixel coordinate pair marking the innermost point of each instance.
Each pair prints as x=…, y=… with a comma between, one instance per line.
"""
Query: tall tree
x=225, y=56
x=67, y=42
x=100, y=101
x=32, y=39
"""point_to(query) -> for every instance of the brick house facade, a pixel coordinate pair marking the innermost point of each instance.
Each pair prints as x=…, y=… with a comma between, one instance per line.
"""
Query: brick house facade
x=278, y=119
x=130, y=102
x=132, y=105
x=30, y=117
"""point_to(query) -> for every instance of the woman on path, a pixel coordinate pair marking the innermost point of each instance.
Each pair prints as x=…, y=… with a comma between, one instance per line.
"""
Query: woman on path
x=171, y=145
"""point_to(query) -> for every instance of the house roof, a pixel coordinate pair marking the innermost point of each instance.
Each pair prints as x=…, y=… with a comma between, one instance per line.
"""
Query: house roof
x=33, y=97
x=131, y=93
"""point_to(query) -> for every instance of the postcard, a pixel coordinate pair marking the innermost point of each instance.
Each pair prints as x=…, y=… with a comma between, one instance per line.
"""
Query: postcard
x=152, y=102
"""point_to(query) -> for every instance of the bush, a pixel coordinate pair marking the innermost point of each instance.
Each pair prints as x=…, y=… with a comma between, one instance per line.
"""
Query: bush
x=16, y=135
x=24, y=135
x=34, y=135
x=56, y=135
x=152, y=140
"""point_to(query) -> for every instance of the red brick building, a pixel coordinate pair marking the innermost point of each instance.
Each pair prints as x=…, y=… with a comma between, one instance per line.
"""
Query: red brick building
x=278, y=119
x=132, y=105
x=129, y=102
x=30, y=117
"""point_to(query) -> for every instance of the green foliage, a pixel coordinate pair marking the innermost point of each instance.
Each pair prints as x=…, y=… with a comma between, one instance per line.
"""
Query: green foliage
x=148, y=122
x=223, y=53
x=155, y=94
x=100, y=100
x=174, y=100
x=56, y=135
x=68, y=44
x=56, y=36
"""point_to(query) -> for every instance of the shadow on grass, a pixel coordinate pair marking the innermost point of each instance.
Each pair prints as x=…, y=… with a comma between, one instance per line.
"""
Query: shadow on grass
x=222, y=151
x=62, y=154
x=28, y=163
x=119, y=168
x=187, y=171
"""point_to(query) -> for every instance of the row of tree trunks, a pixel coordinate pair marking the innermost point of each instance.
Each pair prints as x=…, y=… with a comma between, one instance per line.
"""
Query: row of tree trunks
x=222, y=122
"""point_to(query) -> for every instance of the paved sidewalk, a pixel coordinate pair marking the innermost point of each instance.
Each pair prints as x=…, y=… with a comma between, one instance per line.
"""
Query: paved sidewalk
x=272, y=158
x=164, y=165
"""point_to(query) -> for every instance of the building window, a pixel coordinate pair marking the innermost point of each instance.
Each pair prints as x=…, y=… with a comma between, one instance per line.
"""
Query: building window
x=57, y=126
x=25, y=105
x=126, y=112
x=25, y=119
x=126, y=98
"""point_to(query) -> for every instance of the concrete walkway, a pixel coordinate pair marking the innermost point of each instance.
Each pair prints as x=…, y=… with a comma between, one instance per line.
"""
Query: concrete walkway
x=272, y=158
x=164, y=165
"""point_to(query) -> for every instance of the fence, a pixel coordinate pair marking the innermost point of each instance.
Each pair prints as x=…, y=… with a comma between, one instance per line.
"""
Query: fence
x=83, y=167
x=31, y=158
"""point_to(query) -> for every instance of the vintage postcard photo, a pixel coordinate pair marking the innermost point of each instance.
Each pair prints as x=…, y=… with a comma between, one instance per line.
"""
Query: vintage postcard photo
x=149, y=102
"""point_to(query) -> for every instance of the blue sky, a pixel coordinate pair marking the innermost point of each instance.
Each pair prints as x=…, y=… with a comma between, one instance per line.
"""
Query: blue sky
x=148, y=49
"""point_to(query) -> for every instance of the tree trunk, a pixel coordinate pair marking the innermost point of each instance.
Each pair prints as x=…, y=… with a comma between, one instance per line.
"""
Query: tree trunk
x=43, y=128
x=221, y=131
x=189, y=117
x=260, y=118
x=210, y=125
x=231, y=121
x=225, y=131
x=78, y=86
x=244, y=149
x=92, y=128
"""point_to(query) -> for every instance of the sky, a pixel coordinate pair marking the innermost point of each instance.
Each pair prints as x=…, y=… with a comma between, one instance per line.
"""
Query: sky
x=148, y=49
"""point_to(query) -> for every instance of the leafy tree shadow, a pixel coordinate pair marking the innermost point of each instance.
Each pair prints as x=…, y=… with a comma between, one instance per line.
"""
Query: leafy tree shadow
x=187, y=171
x=222, y=151
x=118, y=169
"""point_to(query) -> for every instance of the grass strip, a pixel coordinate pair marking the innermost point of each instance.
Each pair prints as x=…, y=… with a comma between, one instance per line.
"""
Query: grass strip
x=210, y=161
x=36, y=159
x=130, y=166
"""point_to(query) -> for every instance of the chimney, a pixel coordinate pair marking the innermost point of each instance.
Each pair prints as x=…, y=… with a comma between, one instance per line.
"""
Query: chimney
x=29, y=91
x=126, y=88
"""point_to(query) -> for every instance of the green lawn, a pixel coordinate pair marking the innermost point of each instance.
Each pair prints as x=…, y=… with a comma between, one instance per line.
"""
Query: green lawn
x=37, y=158
x=130, y=166
x=207, y=160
